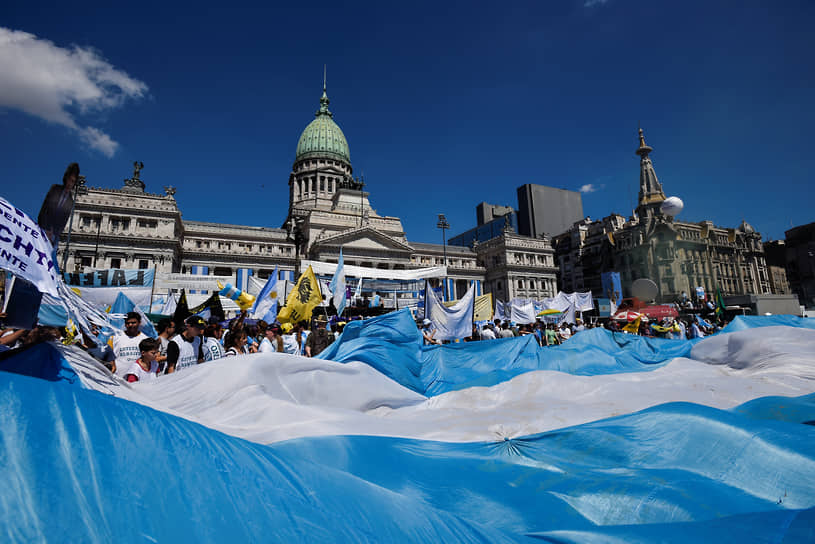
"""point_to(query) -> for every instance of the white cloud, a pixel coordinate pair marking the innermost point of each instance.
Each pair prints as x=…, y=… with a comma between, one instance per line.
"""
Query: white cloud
x=592, y=3
x=589, y=188
x=59, y=85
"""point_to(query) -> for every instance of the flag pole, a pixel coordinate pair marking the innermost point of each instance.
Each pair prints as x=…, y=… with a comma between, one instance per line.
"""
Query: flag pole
x=152, y=290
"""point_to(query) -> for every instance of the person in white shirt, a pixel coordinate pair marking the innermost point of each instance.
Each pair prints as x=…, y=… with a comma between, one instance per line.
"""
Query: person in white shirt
x=184, y=349
x=272, y=341
x=145, y=368
x=126, y=344
x=487, y=333
x=565, y=332
x=290, y=344
x=211, y=345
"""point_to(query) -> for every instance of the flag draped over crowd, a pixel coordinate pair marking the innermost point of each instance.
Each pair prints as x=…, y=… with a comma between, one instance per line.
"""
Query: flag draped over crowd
x=606, y=438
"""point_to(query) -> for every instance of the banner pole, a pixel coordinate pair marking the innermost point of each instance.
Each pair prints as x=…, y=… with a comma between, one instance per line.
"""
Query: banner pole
x=152, y=290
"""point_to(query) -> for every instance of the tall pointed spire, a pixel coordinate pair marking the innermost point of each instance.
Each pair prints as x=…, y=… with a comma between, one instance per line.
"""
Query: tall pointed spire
x=324, y=99
x=650, y=188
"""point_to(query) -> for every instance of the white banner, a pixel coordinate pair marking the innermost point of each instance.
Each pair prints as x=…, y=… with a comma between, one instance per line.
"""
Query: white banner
x=166, y=280
x=454, y=322
x=24, y=249
x=328, y=269
x=523, y=314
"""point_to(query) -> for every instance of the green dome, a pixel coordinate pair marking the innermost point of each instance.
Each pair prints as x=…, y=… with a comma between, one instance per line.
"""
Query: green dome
x=323, y=137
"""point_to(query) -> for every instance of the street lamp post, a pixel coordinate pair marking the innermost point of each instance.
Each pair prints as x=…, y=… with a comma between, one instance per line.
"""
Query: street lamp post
x=444, y=225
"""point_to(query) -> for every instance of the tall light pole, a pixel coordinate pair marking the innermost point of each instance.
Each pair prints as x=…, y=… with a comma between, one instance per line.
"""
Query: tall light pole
x=444, y=225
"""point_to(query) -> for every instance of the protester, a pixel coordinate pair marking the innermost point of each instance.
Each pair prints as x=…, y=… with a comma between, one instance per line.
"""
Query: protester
x=319, y=339
x=236, y=342
x=166, y=330
x=505, y=332
x=272, y=342
x=184, y=349
x=551, y=336
x=145, y=368
x=487, y=333
x=9, y=338
x=291, y=339
x=211, y=345
x=428, y=332
x=126, y=344
x=565, y=332
x=579, y=326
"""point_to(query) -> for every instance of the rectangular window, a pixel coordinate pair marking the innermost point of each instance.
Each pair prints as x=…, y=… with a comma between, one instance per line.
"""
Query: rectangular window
x=144, y=264
x=115, y=263
x=87, y=262
x=322, y=183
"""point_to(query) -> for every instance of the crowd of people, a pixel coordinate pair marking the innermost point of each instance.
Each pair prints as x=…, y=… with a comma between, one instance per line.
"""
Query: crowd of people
x=552, y=334
x=133, y=356
x=136, y=357
x=546, y=334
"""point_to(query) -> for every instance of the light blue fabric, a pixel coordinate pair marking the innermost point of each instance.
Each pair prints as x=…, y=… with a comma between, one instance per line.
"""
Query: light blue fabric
x=741, y=322
x=79, y=466
x=392, y=344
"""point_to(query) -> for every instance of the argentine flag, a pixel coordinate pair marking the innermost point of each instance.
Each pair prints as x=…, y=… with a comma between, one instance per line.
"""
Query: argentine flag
x=337, y=286
x=265, y=307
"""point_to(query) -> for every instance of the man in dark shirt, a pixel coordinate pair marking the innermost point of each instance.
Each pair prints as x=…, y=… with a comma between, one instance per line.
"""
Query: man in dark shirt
x=319, y=339
x=192, y=335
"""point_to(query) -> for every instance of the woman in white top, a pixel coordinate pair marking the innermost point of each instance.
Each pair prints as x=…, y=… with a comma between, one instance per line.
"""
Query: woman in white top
x=236, y=343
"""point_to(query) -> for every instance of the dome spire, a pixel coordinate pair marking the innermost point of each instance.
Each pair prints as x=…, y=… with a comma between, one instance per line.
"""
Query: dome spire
x=324, y=99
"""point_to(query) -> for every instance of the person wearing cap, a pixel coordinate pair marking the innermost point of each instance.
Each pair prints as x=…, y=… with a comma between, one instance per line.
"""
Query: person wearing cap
x=126, y=344
x=428, y=333
x=290, y=337
x=272, y=341
x=184, y=349
x=319, y=339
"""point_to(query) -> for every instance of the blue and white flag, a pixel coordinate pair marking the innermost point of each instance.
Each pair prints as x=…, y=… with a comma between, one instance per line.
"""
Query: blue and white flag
x=265, y=307
x=358, y=291
x=121, y=306
x=451, y=323
x=703, y=322
x=337, y=286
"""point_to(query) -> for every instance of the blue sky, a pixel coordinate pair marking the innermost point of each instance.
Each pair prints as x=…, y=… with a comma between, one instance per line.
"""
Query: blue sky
x=444, y=105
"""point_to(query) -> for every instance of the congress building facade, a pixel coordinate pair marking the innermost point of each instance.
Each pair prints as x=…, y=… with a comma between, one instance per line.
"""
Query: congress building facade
x=329, y=209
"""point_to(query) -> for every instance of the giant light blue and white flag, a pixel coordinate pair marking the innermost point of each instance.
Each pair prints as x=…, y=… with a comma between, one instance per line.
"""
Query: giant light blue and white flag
x=337, y=286
x=265, y=307
x=451, y=323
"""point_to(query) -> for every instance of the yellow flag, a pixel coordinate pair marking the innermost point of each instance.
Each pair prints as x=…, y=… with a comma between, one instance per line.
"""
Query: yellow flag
x=633, y=327
x=302, y=300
